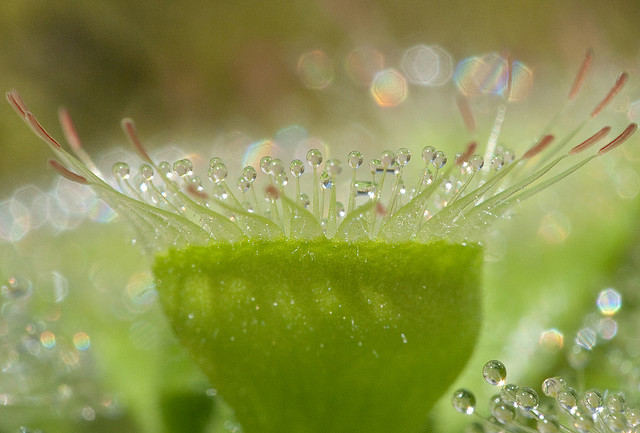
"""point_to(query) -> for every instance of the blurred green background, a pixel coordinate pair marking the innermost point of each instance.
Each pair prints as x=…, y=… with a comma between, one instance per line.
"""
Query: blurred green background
x=184, y=68
x=189, y=73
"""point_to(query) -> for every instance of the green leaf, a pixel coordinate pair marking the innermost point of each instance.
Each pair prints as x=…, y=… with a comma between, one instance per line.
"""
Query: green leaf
x=325, y=336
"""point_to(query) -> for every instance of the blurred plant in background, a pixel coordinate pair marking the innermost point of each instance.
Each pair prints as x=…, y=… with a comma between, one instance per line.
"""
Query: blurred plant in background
x=89, y=348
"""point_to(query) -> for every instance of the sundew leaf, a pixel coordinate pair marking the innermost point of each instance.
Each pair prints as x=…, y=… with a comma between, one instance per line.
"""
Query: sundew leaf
x=319, y=336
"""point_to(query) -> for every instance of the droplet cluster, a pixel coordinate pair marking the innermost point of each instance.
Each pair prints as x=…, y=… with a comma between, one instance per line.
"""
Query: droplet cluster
x=561, y=409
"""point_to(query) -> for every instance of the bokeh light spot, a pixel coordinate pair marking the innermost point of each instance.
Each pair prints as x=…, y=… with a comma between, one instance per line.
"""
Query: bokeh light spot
x=48, y=339
x=551, y=340
x=427, y=65
x=363, y=64
x=586, y=338
x=608, y=328
x=82, y=341
x=389, y=88
x=609, y=301
x=488, y=74
x=315, y=70
x=521, y=81
x=258, y=150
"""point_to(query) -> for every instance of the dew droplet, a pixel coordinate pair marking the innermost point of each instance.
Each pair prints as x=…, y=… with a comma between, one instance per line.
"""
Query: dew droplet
x=146, y=171
x=552, y=385
x=264, y=164
x=403, y=156
x=568, y=399
x=592, y=400
x=464, y=401
x=527, y=398
x=276, y=167
x=183, y=167
x=249, y=174
x=509, y=394
x=476, y=162
x=340, y=211
x=297, y=168
x=355, y=159
x=218, y=172
x=304, y=200
x=314, y=157
x=121, y=170
x=497, y=161
x=376, y=166
x=165, y=170
x=503, y=412
x=428, y=153
x=243, y=184
x=615, y=402
x=387, y=159
x=494, y=372
x=325, y=180
x=439, y=160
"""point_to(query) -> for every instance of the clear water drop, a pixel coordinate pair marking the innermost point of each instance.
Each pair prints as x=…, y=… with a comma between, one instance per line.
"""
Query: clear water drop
x=494, y=372
x=403, y=156
x=476, y=162
x=121, y=170
x=497, y=161
x=439, y=160
x=355, y=159
x=264, y=164
x=218, y=172
x=304, y=200
x=592, y=400
x=503, y=412
x=527, y=399
x=243, y=184
x=276, y=167
x=165, y=170
x=340, y=211
x=509, y=394
x=297, y=168
x=325, y=180
x=464, y=401
x=615, y=402
x=375, y=166
x=314, y=157
x=387, y=159
x=249, y=173
x=183, y=167
x=552, y=385
x=568, y=399
x=146, y=171
x=428, y=153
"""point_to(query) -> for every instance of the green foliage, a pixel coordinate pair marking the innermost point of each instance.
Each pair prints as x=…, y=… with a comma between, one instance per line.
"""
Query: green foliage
x=317, y=336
